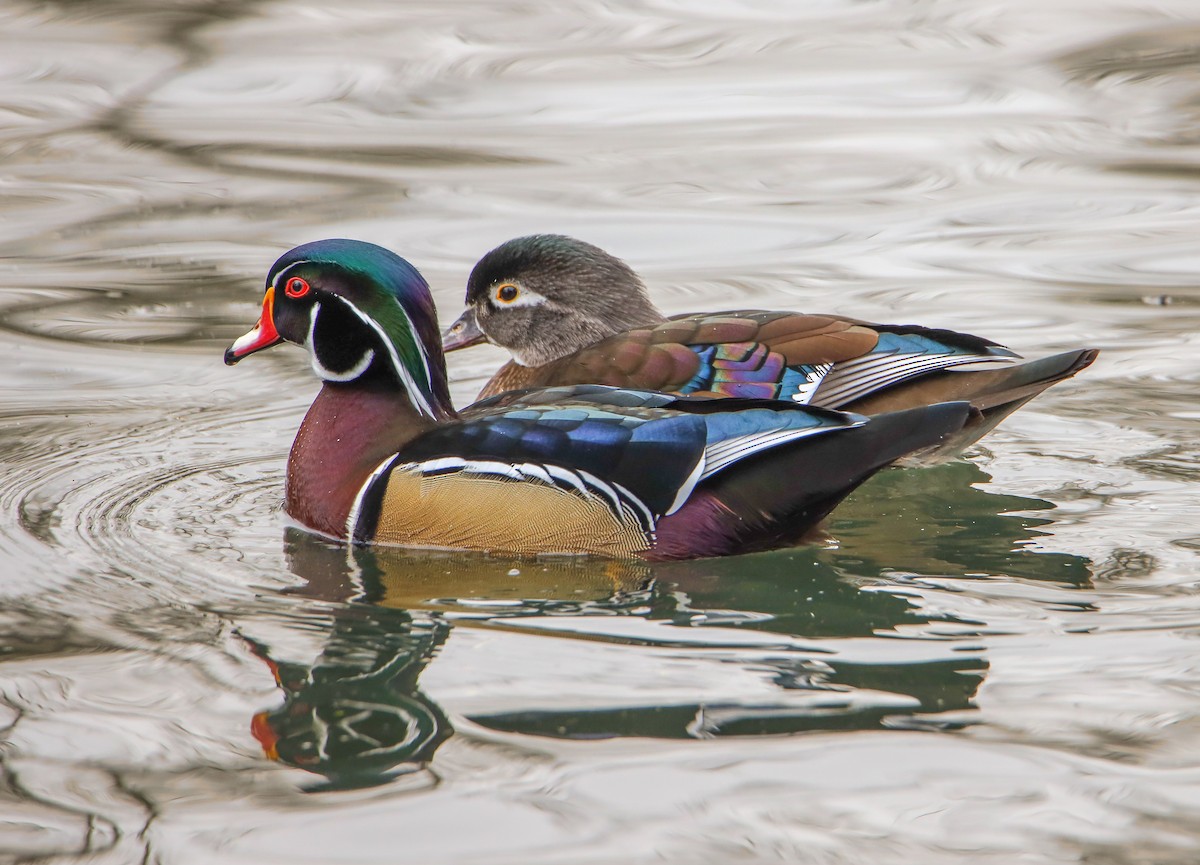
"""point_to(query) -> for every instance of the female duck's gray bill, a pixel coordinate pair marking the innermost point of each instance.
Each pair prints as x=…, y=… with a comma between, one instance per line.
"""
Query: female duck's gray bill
x=464, y=332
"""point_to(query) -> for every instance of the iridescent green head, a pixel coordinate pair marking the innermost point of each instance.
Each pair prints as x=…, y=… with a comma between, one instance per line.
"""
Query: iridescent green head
x=362, y=312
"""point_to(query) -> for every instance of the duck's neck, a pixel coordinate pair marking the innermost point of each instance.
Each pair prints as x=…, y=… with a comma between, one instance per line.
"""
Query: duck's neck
x=348, y=431
x=575, y=333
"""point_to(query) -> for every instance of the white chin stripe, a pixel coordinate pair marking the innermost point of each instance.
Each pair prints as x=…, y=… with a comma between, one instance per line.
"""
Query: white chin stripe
x=350, y=374
x=416, y=394
x=327, y=374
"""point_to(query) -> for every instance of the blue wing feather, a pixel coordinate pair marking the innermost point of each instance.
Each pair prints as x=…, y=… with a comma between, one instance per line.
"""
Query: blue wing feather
x=642, y=452
x=649, y=454
x=754, y=421
x=648, y=443
x=901, y=353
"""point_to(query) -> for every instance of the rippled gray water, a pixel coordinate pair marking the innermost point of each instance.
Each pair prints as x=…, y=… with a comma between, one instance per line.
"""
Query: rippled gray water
x=991, y=661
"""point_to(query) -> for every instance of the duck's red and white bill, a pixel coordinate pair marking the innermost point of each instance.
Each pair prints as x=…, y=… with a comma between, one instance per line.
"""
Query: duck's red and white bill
x=262, y=336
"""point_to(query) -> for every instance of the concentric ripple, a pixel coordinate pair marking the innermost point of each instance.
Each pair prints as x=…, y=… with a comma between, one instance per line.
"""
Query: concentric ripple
x=143, y=487
x=992, y=659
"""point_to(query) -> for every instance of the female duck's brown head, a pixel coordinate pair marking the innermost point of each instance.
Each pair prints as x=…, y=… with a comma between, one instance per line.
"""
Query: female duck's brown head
x=545, y=296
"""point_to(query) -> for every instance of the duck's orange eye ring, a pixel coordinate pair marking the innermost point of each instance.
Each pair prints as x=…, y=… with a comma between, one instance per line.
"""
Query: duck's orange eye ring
x=507, y=292
x=296, y=287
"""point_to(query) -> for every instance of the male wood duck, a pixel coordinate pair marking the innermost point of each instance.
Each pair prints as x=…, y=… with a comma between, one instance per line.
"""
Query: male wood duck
x=570, y=313
x=383, y=457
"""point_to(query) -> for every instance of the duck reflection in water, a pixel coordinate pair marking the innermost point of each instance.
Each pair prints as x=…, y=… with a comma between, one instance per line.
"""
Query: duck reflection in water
x=357, y=715
x=944, y=521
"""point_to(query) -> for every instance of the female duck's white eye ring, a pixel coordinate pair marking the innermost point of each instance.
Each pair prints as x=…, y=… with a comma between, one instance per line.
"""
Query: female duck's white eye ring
x=506, y=292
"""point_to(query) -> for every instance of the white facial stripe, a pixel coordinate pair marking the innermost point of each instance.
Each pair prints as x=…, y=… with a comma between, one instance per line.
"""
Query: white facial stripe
x=279, y=277
x=420, y=345
x=350, y=374
x=415, y=394
x=312, y=326
x=525, y=297
x=400, y=369
x=327, y=374
x=352, y=518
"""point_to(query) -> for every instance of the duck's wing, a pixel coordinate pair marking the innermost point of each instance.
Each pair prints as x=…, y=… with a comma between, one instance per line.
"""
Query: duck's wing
x=822, y=360
x=901, y=354
x=743, y=353
x=911, y=366
x=774, y=498
x=572, y=469
x=906, y=366
x=819, y=359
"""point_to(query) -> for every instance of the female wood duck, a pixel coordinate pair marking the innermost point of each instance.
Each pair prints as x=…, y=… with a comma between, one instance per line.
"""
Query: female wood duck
x=570, y=313
x=383, y=457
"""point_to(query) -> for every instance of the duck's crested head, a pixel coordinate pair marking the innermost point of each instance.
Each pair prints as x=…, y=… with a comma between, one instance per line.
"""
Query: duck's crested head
x=362, y=311
x=370, y=276
x=548, y=295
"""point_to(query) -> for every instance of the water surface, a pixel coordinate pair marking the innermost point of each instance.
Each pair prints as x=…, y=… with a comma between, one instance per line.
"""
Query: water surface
x=986, y=661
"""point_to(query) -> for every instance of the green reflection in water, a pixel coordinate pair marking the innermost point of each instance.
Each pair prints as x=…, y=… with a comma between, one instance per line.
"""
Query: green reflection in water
x=943, y=521
x=357, y=716
x=934, y=687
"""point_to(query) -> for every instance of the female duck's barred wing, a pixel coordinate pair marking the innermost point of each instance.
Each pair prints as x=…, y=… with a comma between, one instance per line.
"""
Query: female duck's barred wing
x=901, y=354
x=819, y=360
x=638, y=455
x=742, y=354
x=754, y=354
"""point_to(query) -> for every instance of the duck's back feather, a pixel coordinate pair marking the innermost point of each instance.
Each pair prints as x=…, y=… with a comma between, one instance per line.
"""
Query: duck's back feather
x=598, y=470
x=813, y=359
x=818, y=360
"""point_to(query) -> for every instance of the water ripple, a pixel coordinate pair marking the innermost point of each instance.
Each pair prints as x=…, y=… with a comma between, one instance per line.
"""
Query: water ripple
x=183, y=679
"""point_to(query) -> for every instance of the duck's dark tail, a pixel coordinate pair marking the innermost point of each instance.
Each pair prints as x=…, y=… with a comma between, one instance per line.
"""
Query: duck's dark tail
x=771, y=500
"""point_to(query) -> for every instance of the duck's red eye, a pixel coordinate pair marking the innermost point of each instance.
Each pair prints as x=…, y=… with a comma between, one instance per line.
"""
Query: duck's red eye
x=296, y=287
